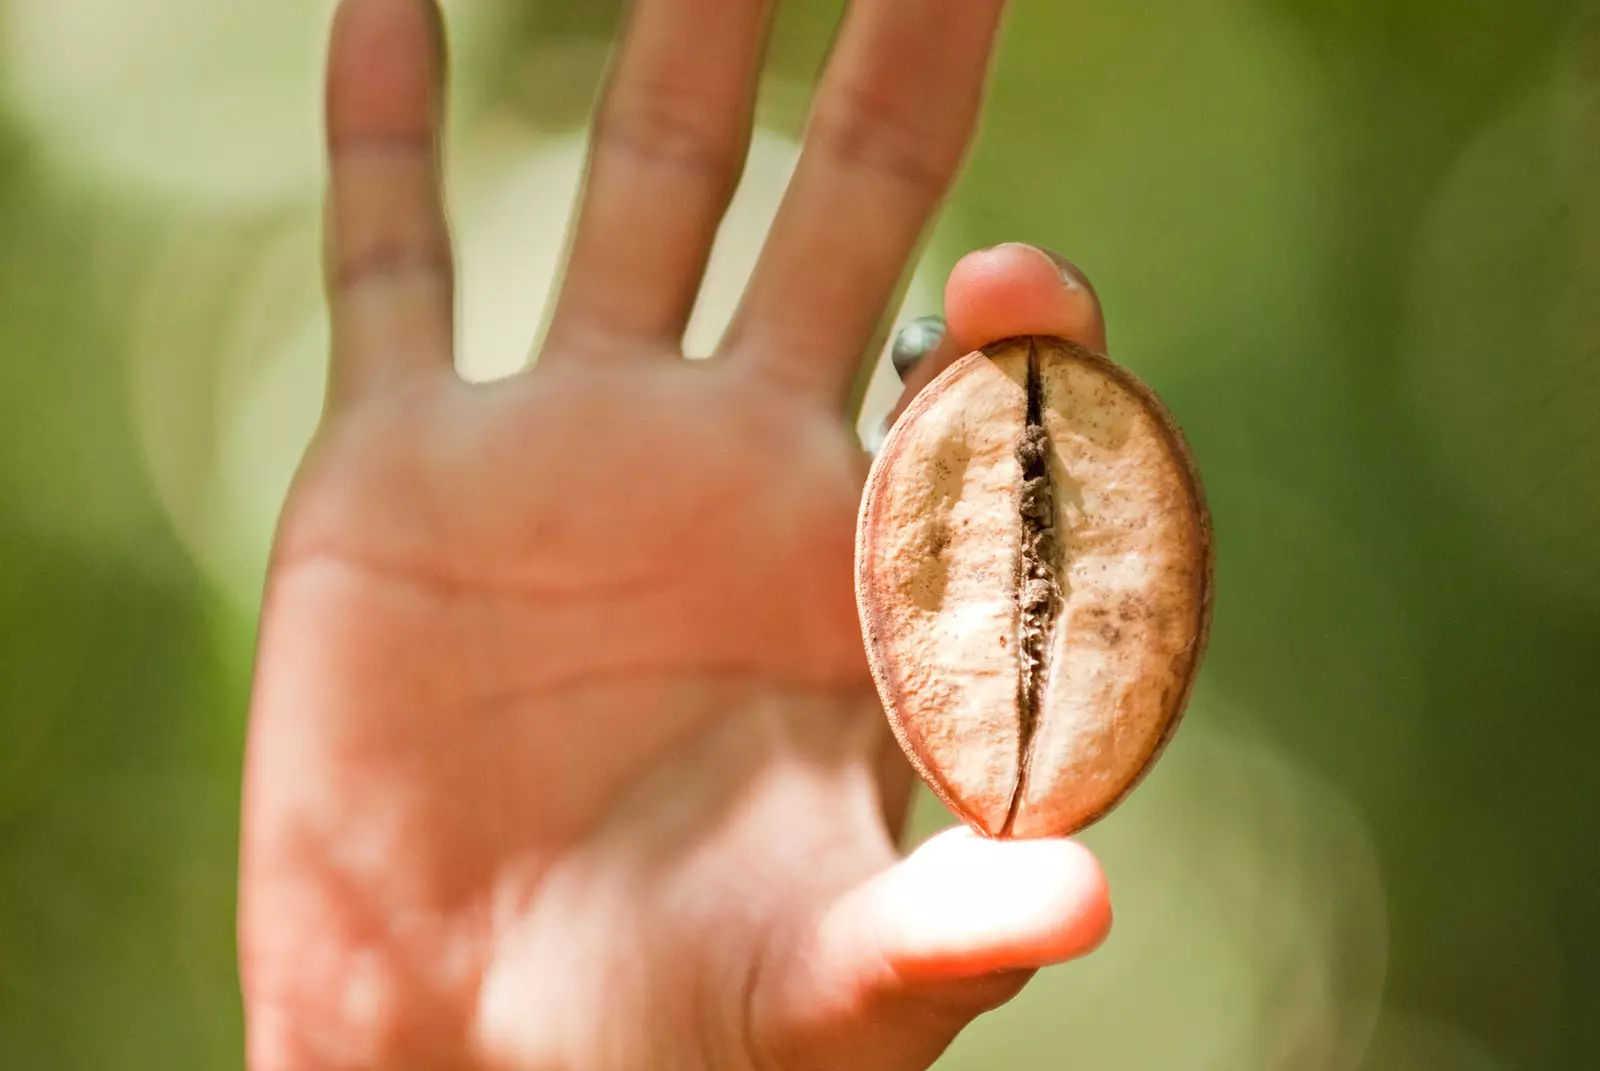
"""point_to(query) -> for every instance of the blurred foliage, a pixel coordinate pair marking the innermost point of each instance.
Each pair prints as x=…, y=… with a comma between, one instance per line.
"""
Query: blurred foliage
x=1355, y=244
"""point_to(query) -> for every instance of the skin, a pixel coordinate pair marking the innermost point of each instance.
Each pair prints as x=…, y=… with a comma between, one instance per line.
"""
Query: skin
x=563, y=749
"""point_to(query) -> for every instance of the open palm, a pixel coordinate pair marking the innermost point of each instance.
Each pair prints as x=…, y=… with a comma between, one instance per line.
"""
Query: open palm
x=563, y=749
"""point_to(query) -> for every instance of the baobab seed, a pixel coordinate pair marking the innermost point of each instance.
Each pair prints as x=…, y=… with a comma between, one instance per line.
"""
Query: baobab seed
x=1034, y=579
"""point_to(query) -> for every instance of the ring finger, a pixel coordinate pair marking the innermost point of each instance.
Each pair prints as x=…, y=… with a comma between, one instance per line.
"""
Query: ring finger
x=1000, y=292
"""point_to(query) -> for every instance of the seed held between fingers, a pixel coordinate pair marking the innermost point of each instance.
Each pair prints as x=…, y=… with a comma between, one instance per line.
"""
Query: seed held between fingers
x=1033, y=574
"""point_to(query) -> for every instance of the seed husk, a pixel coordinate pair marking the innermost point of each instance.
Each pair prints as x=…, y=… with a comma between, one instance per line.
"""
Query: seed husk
x=1034, y=580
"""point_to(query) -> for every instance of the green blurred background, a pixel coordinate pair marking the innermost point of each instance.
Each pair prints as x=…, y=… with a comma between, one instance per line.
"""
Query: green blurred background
x=1354, y=243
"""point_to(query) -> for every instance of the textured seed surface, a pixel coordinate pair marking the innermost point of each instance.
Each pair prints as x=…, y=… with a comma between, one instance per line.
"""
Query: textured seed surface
x=1033, y=572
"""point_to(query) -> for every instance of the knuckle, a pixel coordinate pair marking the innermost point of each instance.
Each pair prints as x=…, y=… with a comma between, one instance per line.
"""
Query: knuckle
x=369, y=148
x=863, y=128
x=666, y=127
x=389, y=262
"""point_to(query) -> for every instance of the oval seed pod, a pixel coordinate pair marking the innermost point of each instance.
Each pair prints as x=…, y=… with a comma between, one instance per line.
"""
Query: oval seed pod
x=1033, y=575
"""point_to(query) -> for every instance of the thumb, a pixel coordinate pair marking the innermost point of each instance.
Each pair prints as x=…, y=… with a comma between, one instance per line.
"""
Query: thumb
x=897, y=966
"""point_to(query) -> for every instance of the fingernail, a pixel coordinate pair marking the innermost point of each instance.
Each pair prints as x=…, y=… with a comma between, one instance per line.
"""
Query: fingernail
x=1070, y=273
x=915, y=341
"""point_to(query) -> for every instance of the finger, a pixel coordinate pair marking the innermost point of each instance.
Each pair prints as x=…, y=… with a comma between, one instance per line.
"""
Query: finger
x=390, y=277
x=907, y=959
x=665, y=157
x=1011, y=289
x=893, y=117
x=962, y=905
x=1021, y=289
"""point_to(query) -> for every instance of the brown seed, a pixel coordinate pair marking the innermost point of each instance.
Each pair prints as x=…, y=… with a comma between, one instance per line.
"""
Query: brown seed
x=1033, y=574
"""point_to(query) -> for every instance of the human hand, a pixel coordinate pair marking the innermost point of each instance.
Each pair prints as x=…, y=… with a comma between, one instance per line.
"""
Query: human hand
x=563, y=749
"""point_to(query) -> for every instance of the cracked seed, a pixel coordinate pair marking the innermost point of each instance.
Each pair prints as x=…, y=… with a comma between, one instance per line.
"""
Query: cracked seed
x=1017, y=705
